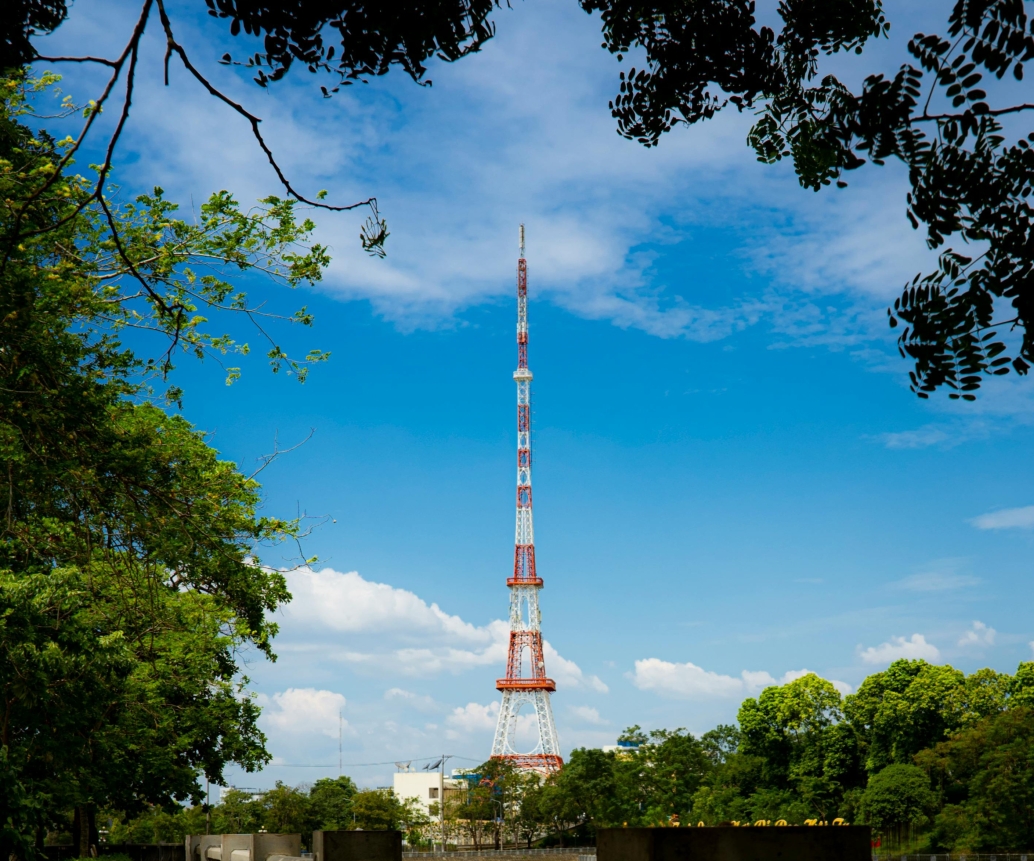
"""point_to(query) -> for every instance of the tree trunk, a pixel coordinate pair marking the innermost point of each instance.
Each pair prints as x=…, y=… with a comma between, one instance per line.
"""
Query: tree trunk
x=84, y=831
x=94, y=834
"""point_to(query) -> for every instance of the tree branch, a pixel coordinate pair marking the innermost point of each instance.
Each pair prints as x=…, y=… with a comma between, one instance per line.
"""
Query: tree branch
x=174, y=47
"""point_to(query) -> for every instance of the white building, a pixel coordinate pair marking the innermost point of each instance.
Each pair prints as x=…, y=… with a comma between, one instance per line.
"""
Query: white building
x=425, y=787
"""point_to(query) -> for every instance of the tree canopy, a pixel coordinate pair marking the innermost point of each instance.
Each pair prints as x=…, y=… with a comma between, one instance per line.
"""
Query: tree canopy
x=801, y=752
x=936, y=113
x=131, y=580
x=919, y=752
x=941, y=113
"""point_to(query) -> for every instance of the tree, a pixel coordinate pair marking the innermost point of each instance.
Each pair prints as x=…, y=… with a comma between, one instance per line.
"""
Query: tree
x=985, y=775
x=288, y=810
x=378, y=810
x=372, y=39
x=727, y=793
x=793, y=730
x=130, y=554
x=239, y=812
x=331, y=800
x=910, y=706
x=934, y=115
x=720, y=743
x=585, y=790
x=476, y=812
x=528, y=820
x=656, y=783
x=897, y=798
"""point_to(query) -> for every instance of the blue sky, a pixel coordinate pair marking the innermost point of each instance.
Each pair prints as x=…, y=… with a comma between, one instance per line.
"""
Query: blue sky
x=732, y=480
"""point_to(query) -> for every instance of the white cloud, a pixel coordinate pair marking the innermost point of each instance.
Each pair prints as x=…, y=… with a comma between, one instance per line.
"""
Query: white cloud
x=1006, y=518
x=341, y=615
x=936, y=581
x=455, y=166
x=349, y=604
x=1031, y=644
x=567, y=674
x=304, y=710
x=843, y=687
x=923, y=437
x=899, y=647
x=688, y=681
x=474, y=717
x=420, y=702
x=587, y=714
x=478, y=719
x=683, y=680
x=978, y=635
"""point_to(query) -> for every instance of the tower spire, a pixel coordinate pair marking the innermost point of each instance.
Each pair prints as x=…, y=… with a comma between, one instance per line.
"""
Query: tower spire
x=526, y=683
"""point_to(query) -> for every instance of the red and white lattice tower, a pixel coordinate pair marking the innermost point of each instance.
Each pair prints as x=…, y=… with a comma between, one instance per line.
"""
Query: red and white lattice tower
x=526, y=683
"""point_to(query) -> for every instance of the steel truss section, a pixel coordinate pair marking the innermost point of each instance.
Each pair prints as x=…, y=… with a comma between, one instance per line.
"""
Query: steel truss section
x=526, y=682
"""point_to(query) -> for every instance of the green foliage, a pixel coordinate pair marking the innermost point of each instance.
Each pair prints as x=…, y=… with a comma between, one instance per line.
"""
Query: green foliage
x=331, y=800
x=908, y=707
x=720, y=743
x=897, y=797
x=330, y=804
x=794, y=731
x=157, y=272
x=379, y=810
x=924, y=754
x=130, y=553
x=985, y=773
x=933, y=114
x=238, y=813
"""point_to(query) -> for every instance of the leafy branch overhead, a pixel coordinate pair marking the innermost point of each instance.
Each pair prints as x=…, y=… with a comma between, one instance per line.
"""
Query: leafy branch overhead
x=132, y=556
x=973, y=315
x=156, y=272
x=371, y=39
x=21, y=21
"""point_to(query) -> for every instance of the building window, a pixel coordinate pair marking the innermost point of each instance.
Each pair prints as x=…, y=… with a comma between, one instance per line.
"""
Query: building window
x=432, y=792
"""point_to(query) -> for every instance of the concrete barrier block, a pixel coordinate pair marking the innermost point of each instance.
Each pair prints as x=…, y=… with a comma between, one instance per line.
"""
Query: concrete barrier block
x=275, y=844
x=357, y=845
x=774, y=843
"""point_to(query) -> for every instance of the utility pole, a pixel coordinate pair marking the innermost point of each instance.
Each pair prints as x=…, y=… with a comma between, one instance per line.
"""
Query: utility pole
x=340, y=733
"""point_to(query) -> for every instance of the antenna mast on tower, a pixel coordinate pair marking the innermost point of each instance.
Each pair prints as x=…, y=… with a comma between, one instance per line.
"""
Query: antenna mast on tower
x=526, y=682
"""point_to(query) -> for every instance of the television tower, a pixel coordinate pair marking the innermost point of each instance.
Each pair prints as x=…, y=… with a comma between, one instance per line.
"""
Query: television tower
x=526, y=682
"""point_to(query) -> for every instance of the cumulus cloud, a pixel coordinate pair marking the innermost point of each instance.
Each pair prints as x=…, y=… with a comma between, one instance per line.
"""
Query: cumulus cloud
x=453, y=164
x=478, y=719
x=342, y=615
x=1006, y=518
x=979, y=635
x=347, y=603
x=899, y=647
x=587, y=714
x=567, y=674
x=474, y=717
x=304, y=710
x=688, y=681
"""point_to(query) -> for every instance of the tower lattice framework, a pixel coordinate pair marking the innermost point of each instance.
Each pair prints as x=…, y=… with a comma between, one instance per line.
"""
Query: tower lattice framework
x=526, y=683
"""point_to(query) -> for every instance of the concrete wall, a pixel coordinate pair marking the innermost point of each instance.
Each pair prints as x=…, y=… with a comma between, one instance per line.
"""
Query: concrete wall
x=357, y=845
x=257, y=846
x=775, y=843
